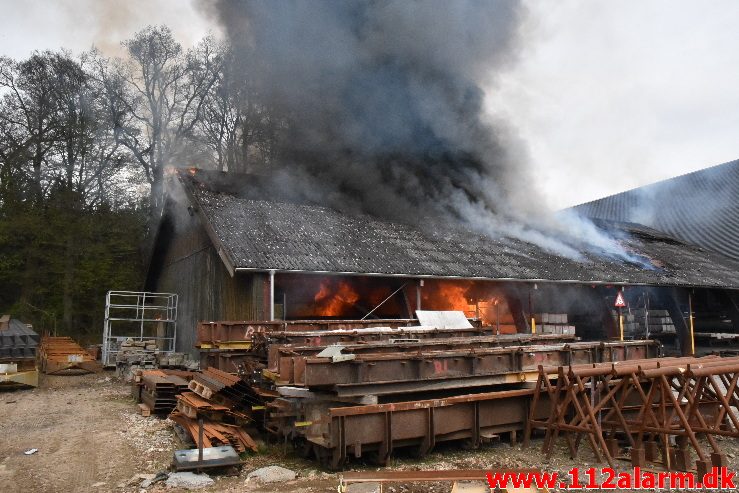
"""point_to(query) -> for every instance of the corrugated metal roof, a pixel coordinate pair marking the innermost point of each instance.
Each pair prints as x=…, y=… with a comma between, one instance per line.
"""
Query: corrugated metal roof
x=276, y=235
x=700, y=207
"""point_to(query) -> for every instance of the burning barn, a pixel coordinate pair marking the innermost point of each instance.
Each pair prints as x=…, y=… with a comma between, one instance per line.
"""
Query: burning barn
x=235, y=248
x=326, y=314
x=391, y=193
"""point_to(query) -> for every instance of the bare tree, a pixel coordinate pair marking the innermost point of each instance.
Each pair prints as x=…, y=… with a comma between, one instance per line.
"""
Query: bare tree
x=162, y=90
x=28, y=114
x=235, y=125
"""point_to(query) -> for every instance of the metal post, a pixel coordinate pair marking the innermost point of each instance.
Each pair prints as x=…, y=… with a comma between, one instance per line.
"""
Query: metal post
x=143, y=314
x=200, y=442
x=692, y=328
x=271, y=295
x=497, y=317
x=418, y=294
x=621, y=319
x=646, y=315
x=531, y=311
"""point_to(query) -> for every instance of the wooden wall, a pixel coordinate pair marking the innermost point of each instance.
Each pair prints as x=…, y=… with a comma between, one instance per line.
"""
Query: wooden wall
x=186, y=262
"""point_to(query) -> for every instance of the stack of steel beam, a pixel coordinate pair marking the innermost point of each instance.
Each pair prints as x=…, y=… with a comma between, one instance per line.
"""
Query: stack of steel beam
x=158, y=389
x=345, y=390
x=230, y=346
x=214, y=433
x=18, y=345
x=221, y=404
x=341, y=401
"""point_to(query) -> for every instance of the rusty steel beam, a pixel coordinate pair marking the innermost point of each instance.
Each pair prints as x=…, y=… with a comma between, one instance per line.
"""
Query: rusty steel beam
x=365, y=336
x=384, y=428
x=458, y=364
x=404, y=345
x=240, y=330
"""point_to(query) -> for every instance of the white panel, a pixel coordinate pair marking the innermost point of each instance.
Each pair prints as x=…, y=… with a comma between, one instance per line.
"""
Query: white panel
x=443, y=319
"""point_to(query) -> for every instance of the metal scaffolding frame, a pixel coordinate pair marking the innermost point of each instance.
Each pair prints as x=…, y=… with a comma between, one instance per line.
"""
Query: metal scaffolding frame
x=139, y=315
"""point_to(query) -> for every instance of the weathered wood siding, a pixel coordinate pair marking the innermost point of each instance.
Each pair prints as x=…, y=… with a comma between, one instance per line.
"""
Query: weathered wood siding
x=190, y=266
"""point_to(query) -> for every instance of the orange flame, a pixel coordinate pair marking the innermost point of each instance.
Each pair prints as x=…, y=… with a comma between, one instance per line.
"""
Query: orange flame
x=448, y=295
x=334, y=299
x=474, y=299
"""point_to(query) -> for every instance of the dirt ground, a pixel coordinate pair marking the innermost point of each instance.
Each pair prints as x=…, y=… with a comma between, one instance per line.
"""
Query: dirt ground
x=90, y=438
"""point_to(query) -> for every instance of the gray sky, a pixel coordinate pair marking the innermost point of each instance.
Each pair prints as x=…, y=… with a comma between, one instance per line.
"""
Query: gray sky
x=607, y=96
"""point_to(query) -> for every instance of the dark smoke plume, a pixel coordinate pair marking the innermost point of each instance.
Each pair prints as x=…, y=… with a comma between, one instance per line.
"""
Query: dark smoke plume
x=384, y=101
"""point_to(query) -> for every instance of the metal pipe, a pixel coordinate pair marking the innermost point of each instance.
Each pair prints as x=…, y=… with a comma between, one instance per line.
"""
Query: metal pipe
x=479, y=278
x=200, y=441
x=383, y=301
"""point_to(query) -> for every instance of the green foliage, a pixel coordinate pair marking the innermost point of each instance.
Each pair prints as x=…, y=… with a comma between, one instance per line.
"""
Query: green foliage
x=93, y=250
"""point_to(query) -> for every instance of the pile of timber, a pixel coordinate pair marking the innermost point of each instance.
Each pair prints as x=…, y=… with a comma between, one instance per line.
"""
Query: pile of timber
x=156, y=390
x=63, y=356
x=222, y=404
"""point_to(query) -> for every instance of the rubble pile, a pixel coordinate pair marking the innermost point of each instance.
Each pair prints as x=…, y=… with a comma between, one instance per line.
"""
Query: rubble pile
x=133, y=356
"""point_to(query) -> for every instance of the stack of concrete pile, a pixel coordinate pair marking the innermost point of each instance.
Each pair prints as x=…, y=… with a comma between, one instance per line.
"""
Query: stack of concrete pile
x=636, y=322
x=136, y=355
x=553, y=323
x=659, y=321
x=632, y=328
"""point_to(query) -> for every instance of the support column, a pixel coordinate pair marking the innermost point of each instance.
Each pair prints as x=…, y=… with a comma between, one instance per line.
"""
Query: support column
x=691, y=327
x=271, y=295
x=418, y=294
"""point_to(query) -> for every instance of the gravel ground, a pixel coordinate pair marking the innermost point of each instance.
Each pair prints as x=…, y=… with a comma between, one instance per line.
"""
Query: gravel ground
x=90, y=438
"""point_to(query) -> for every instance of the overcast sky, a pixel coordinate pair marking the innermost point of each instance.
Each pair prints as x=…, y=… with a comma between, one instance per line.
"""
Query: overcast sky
x=607, y=95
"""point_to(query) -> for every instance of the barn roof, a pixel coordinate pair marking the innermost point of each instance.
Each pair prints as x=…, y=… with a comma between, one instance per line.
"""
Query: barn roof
x=700, y=207
x=257, y=231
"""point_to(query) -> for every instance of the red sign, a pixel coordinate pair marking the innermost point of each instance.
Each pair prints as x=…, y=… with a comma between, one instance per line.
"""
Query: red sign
x=620, y=301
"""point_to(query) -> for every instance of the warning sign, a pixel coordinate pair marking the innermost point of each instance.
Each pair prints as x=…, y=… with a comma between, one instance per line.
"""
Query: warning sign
x=620, y=301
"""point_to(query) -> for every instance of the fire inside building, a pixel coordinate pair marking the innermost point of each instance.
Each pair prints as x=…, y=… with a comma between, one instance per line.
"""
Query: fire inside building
x=334, y=316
